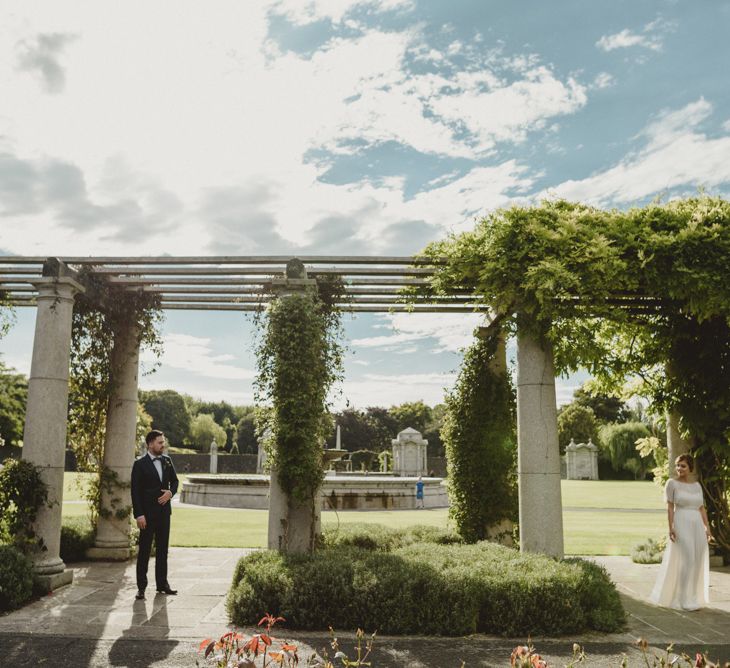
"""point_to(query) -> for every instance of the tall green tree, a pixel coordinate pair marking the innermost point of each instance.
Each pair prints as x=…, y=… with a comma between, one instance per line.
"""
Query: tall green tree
x=578, y=423
x=605, y=407
x=204, y=430
x=169, y=413
x=415, y=414
x=356, y=431
x=246, y=438
x=13, y=398
x=384, y=427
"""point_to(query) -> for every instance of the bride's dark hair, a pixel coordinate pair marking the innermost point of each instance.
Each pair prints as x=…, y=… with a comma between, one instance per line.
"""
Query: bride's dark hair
x=686, y=458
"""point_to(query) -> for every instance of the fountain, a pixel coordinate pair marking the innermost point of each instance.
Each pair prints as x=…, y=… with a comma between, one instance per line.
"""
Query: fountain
x=340, y=490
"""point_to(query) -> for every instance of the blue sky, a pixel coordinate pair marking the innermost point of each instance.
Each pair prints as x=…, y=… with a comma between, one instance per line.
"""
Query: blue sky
x=340, y=127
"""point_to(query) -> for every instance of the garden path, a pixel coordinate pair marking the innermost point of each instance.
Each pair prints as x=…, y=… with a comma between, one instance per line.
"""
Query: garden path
x=96, y=622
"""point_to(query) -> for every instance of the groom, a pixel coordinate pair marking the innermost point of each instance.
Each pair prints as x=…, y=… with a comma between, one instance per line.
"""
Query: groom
x=154, y=483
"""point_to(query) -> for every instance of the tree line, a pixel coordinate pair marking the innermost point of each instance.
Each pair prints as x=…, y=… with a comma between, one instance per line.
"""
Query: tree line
x=193, y=423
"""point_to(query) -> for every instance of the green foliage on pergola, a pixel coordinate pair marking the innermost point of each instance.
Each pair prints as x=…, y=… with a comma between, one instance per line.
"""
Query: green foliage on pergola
x=639, y=296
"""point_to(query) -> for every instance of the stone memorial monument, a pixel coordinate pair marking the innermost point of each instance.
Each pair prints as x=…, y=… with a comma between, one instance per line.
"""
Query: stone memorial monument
x=582, y=460
x=409, y=454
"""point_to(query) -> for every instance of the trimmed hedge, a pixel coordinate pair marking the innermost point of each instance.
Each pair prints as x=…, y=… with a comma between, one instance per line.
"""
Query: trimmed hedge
x=384, y=538
x=426, y=588
x=16, y=578
x=77, y=536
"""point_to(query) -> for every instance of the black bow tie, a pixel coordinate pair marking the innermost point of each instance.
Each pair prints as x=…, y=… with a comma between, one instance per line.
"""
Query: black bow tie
x=157, y=459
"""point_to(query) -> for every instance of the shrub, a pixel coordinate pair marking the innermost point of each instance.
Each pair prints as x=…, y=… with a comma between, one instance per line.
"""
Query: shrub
x=77, y=536
x=22, y=493
x=16, y=578
x=381, y=537
x=649, y=552
x=426, y=588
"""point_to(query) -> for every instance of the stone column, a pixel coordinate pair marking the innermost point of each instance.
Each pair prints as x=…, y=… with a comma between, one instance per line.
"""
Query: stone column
x=44, y=436
x=293, y=526
x=538, y=468
x=112, y=531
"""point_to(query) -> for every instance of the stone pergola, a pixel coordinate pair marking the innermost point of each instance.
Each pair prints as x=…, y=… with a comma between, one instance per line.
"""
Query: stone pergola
x=372, y=284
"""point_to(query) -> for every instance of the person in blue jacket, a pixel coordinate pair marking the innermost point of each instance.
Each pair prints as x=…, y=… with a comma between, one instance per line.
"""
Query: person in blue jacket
x=419, y=492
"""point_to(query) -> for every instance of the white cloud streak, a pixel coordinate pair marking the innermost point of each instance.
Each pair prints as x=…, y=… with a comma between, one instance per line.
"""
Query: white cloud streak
x=675, y=154
x=451, y=332
x=194, y=354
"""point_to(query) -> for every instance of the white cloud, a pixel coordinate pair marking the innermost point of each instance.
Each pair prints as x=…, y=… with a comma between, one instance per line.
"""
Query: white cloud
x=391, y=390
x=603, y=80
x=194, y=354
x=452, y=331
x=203, y=391
x=309, y=11
x=624, y=40
x=233, y=120
x=651, y=37
x=675, y=154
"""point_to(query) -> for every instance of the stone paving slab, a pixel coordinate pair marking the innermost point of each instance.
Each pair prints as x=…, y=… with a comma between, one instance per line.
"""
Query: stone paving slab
x=97, y=622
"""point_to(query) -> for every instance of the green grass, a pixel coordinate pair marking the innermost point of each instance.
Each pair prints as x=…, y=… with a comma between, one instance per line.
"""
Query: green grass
x=612, y=494
x=590, y=531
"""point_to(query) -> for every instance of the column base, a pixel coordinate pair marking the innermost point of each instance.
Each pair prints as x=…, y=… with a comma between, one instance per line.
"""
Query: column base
x=53, y=581
x=109, y=553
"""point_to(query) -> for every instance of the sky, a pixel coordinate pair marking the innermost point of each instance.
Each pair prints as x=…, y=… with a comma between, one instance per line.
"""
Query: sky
x=340, y=127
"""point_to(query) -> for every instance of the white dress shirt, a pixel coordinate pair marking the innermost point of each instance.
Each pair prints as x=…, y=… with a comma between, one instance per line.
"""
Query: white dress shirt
x=157, y=464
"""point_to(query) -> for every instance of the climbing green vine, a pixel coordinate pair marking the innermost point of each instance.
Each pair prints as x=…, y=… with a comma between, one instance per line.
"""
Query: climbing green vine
x=481, y=445
x=99, y=313
x=639, y=298
x=299, y=358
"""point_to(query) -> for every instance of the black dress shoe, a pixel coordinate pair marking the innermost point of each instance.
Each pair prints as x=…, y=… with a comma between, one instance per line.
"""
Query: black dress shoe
x=166, y=590
x=140, y=595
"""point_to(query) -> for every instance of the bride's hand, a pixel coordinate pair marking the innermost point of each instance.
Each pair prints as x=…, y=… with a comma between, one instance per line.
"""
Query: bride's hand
x=709, y=535
x=672, y=535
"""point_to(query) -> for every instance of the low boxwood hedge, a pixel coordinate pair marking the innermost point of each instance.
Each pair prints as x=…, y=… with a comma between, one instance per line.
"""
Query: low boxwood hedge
x=381, y=537
x=16, y=578
x=426, y=588
x=77, y=536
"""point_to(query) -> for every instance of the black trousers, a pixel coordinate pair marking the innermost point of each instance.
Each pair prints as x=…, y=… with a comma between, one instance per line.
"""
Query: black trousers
x=159, y=529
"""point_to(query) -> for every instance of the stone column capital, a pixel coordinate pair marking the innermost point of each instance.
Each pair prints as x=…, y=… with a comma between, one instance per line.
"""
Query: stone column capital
x=62, y=287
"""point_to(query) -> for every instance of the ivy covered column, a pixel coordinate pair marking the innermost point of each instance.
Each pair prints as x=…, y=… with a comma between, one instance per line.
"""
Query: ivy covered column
x=112, y=531
x=295, y=508
x=44, y=436
x=538, y=462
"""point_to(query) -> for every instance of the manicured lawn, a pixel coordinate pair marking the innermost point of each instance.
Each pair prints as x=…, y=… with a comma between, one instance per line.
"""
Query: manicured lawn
x=612, y=494
x=588, y=531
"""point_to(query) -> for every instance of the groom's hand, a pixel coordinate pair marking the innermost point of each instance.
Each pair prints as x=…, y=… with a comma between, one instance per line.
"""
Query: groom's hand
x=166, y=496
x=142, y=522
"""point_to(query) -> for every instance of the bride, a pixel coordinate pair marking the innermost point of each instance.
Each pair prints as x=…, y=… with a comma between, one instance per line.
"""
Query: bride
x=684, y=576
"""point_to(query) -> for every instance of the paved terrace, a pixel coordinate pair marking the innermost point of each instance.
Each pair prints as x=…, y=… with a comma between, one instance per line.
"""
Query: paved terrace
x=96, y=622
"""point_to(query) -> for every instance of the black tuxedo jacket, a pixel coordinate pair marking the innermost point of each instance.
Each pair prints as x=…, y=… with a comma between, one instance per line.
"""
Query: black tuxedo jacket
x=147, y=487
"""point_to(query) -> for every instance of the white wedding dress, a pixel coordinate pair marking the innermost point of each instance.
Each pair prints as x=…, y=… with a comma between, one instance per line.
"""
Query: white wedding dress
x=683, y=582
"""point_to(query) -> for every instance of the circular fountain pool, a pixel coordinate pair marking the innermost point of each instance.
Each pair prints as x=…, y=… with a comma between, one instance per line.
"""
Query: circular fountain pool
x=339, y=492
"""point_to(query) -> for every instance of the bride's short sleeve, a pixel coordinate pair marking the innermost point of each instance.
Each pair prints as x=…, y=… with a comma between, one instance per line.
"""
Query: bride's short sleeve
x=669, y=489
